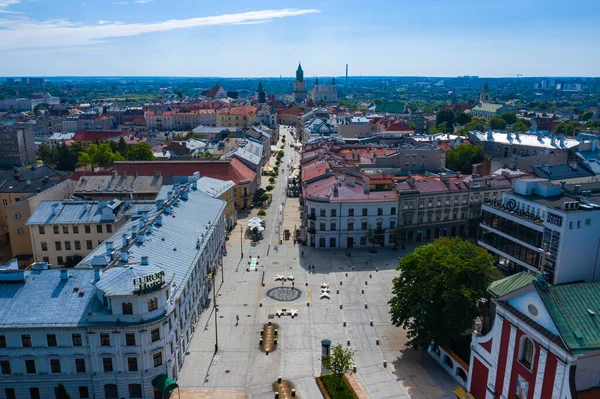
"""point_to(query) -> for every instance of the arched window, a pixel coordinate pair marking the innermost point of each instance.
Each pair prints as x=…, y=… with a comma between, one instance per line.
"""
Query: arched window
x=127, y=308
x=527, y=349
x=135, y=391
x=110, y=391
x=152, y=304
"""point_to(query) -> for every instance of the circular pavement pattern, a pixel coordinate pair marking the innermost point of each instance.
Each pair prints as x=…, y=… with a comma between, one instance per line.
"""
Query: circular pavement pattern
x=284, y=294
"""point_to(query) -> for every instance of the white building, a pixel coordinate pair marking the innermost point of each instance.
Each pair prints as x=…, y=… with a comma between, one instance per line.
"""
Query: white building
x=119, y=324
x=324, y=93
x=538, y=215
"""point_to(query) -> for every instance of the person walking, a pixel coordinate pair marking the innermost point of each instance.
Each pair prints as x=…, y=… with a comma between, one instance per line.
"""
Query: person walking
x=237, y=319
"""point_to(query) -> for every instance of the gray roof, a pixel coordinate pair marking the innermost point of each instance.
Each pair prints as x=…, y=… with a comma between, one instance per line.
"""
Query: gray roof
x=244, y=154
x=76, y=212
x=214, y=187
x=254, y=148
x=119, y=184
x=212, y=130
x=43, y=299
x=118, y=281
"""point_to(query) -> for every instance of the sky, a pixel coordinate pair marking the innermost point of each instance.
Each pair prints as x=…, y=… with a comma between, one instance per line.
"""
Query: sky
x=257, y=38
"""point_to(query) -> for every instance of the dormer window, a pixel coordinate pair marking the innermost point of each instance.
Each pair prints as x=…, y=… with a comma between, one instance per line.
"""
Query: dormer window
x=127, y=308
x=152, y=304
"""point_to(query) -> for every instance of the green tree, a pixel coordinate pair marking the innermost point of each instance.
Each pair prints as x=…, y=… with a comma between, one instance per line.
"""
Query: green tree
x=436, y=297
x=377, y=101
x=46, y=154
x=587, y=115
x=509, y=117
x=99, y=155
x=568, y=129
x=39, y=107
x=519, y=126
x=179, y=94
x=140, y=152
x=122, y=146
x=261, y=212
x=61, y=392
x=463, y=118
x=339, y=362
x=443, y=128
x=497, y=123
x=445, y=115
x=462, y=158
x=265, y=197
x=476, y=124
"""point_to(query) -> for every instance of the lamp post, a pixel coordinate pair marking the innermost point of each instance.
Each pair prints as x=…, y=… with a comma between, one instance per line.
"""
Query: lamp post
x=216, y=310
x=242, y=241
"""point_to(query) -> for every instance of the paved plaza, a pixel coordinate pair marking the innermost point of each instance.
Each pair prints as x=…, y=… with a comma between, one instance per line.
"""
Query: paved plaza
x=240, y=369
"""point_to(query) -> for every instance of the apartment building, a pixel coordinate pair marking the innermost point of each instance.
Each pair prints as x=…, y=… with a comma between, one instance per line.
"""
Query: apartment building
x=180, y=119
x=120, y=323
x=17, y=146
x=120, y=186
x=236, y=116
x=64, y=232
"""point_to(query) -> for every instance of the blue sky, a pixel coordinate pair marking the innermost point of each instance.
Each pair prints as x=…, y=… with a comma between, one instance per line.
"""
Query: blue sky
x=267, y=38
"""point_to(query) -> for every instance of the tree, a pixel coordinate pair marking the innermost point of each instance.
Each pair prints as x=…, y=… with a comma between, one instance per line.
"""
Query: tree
x=61, y=392
x=443, y=128
x=265, y=197
x=463, y=118
x=122, y=146
x=587, y=115
x=462, y=158
x=519, y=126
x=261, y=212
x=445, y=115
x=179, y=94
x=99, y=155
x=377, y=101
x=374, y=237
x=140, y=152
x=568, y=129
x=497, y=123
x=46, y=154
x=339, y=362
x=476, y=124
x=509, y=117
x=436, y=297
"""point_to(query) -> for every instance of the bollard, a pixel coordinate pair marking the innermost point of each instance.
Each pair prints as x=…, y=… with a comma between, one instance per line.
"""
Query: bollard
x=366, y=306
x=275, y=332
x=341, y=306
x=306, y=284
x=260, y=304
x=385, y=363
x=263, y=284
x=261, y=342
x=307, y=303
x=371, y=322
x=377, y=269
x=276, y=395
x=337, y=291
x=346, y=274
x=269, y=322
x=377, y=342
x=261, y=332
x=293, y=393
x=362, y=291
x=344, y=324
x=366, y=283
x=279, y=380
x=275, y=341
x=370, y=276
x=267, y=352
x=354, y=369
x=348, y=342
x=340, y=283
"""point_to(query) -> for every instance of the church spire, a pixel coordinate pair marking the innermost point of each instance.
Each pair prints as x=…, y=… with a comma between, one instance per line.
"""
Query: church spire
x=333, y=80
x=299, y=73
x=317, y=81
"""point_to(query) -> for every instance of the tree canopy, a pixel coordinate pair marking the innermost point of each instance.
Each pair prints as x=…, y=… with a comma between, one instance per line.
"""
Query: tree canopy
x=519, y=126
x=140, y=152
x=509, y=117
x=497, y=123
x=99, y=155
x=461, y=158
x=568, y=129
x=445, y=115
x=61, y=157
x=463, y=118
x=587, y=115
x=436, y=297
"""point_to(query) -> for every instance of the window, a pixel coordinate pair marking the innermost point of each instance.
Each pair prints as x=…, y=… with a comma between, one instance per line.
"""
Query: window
x=157, y=359
x=110, y=391
x=2, y=341
x=132, y=364
x=84, y=393
x=127, y=308
x=34, y=393
x=5, y=366
x=105, y=339
x=9, y=392
x=363, y=240
x=571, y=225
x=88, y=244
x=364, y=226
x=87, y=229
x=155, y=334
x=65, y=229
x=20, y=231
x=107, y=364
x=588, y=222
x=130, y=339
x=55, y=366
x=67, y=245
x=44, y=245
x=527, y=348
x=77, y=245
x=76, y=231
x=98, y=228
x=152, y=304
x=109, y=228
x=393, y=210
x=30, y=366
x=351, y=212
x=334, y=212
x=58, y=245
x=76, y=339
x=46, y=259
x=322, y=212
x=333, y=227
x=80, y=365
x=56, y=230
x=42, y=229
x=350, y=226
x=26, y=341
x=392, y=224
x=365, y=211
x=379, y=211
x=135, y=391
x=321, y=226
x=51, y=339
x=579, y=224
x=60, y=260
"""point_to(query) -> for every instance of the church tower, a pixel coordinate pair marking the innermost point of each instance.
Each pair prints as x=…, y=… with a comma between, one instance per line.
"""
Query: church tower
x=484, y=97
x=262, y=98
x=299, y=85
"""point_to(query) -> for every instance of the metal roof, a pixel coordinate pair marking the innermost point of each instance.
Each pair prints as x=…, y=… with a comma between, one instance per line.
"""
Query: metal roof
x=74, y=212
x=510, y=284
x=118, y=281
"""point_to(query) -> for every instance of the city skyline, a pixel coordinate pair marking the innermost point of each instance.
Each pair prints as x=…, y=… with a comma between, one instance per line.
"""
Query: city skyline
x=181, y=38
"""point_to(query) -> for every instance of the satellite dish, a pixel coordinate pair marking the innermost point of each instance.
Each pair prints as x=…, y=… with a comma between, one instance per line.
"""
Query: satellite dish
x=511, y=205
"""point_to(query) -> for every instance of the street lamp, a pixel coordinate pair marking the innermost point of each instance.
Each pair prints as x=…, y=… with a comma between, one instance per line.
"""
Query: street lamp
x=215, y=314
x=242, y=241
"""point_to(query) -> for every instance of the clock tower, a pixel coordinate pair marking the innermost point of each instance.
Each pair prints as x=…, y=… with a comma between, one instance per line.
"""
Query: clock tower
x=299, y=85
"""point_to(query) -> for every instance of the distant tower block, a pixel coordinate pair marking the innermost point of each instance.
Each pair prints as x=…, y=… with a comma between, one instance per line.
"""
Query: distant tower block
x=346, y=74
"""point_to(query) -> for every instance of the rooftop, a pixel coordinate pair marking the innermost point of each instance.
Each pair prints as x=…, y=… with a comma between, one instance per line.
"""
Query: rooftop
x=530, y=140
x=118, y=184
x=76, y=212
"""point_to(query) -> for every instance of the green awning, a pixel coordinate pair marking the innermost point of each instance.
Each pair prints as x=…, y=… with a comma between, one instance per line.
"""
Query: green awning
x=164, y=384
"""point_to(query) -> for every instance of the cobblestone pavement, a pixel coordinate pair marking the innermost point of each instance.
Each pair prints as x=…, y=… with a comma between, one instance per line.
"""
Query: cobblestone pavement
x=363, y=295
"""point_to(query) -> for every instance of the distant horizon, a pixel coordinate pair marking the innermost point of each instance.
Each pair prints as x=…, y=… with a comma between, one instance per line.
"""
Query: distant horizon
x=306, y=77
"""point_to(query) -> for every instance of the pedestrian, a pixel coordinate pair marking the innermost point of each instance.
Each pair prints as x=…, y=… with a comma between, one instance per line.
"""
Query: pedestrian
x=302, y=254
x=292, y=283
x=237, y=319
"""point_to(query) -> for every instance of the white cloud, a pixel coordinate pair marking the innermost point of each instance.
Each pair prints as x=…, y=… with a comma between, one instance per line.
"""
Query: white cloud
x=143, y=1
x=23, y=33
x=103, y=22
x=4, y=4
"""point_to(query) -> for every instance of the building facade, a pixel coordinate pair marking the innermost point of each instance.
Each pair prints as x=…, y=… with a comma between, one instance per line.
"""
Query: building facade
x=120, y=323
x=323, y=93
x=242, y=116
x=17, y=146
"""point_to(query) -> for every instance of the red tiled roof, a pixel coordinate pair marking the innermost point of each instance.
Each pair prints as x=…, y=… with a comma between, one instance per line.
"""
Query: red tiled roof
x=84, y=135
x=243, y=110
x=233, y=170
x=314, y=170
x=291, y=111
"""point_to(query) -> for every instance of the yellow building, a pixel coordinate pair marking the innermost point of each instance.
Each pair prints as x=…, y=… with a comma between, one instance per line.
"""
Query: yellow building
x=236, y=116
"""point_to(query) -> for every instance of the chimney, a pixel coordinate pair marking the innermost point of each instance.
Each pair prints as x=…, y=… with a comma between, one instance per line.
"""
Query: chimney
x=109, y=247
x=114, y=173
x=141, y=237
x=150, y=227
x=124, y=256
x=562, y=141
x=184, y=195
x=195, y=185
x=123, y=174
x=64, y=274
x=594, y=143
x=552, y=141
x=97, y=274
x=145, y=260
x=176, y=188
x=28, y=182
x=124, y=240
x=168, y=209
x=517, y=136
x=366, y=187
x=169, y=195
x=159, y=205
x=54, y=209
x=335, y=189
x=157, y=173
x=509, y=136
x=577, y=189
x=490, y=135
x=580, y=145
x=159, y=220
